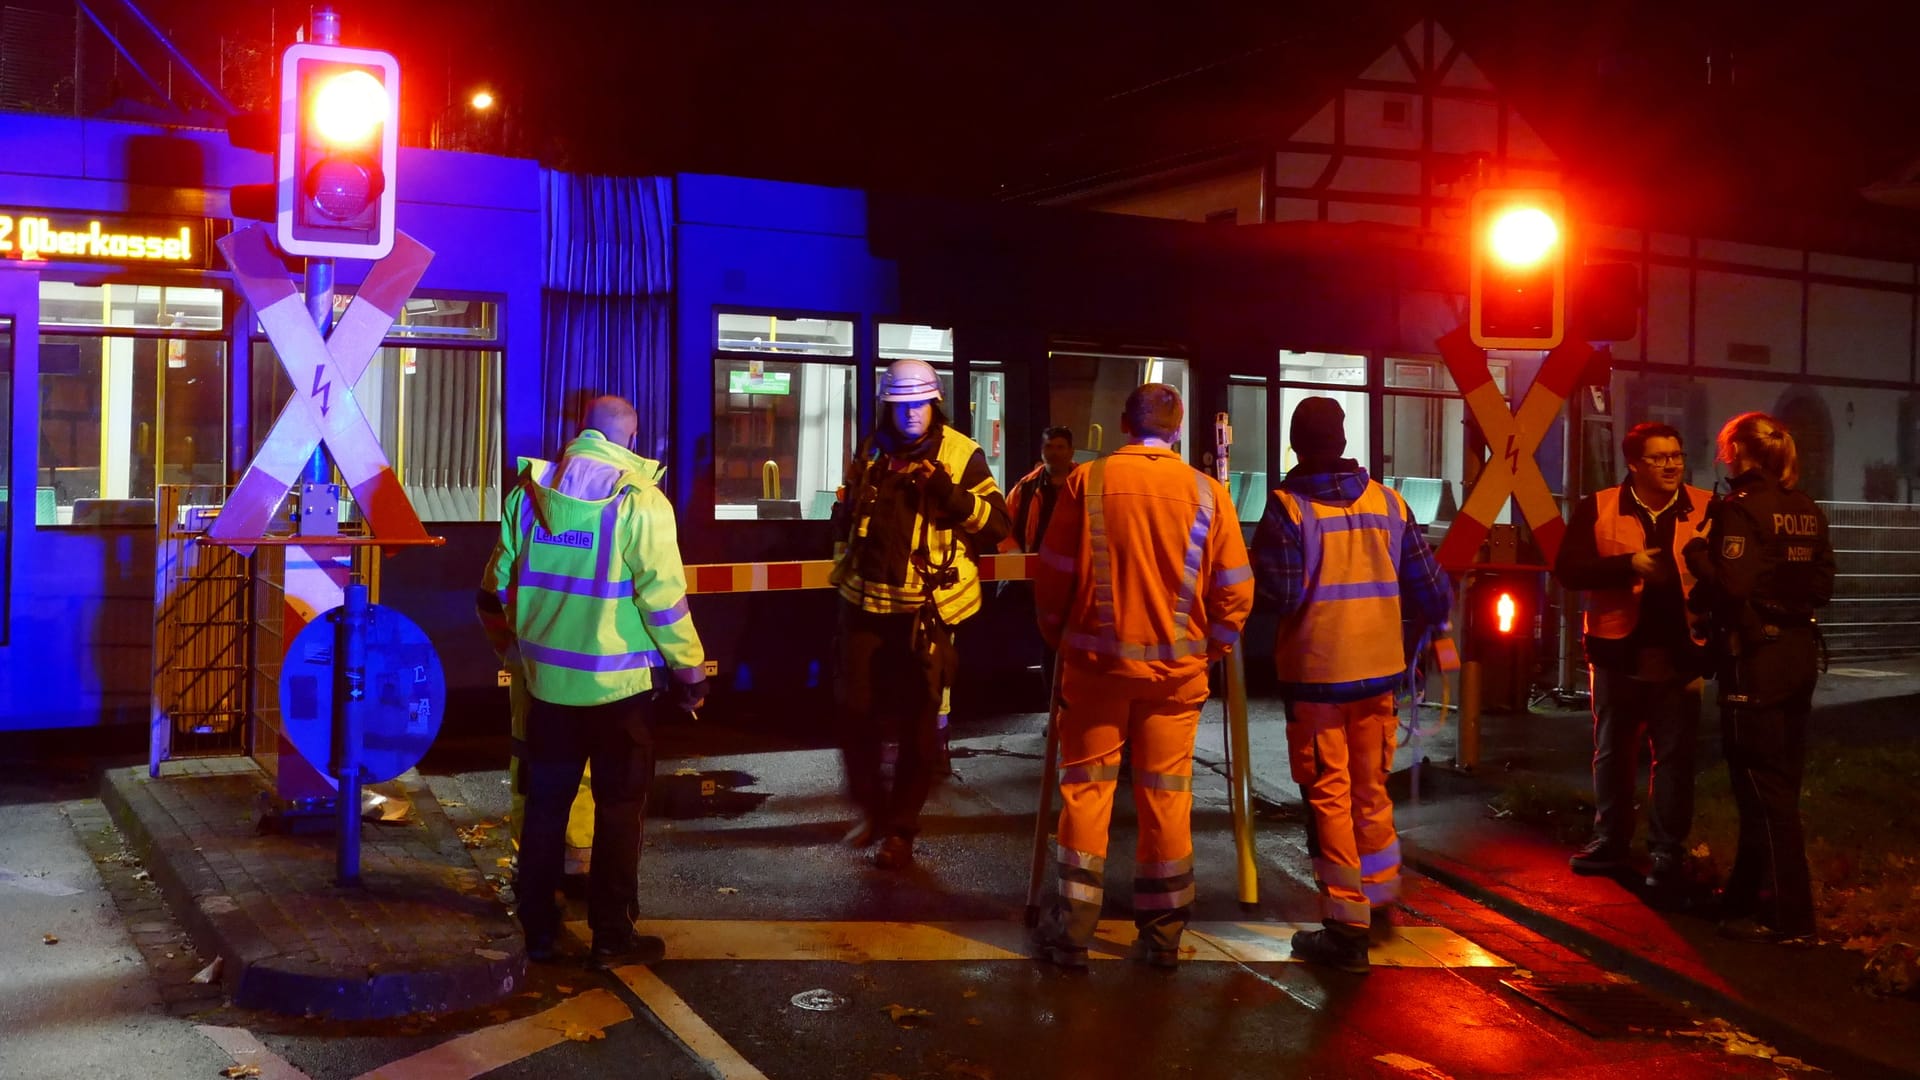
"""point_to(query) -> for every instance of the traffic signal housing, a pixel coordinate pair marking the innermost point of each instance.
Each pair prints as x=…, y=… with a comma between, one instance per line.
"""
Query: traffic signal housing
x=1502, y=616
x=1517, y=269
x=339, y=140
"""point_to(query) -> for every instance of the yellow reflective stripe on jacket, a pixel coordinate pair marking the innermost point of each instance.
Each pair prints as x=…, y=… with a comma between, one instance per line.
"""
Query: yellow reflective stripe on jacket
x=955, y=602
x=1347, y=627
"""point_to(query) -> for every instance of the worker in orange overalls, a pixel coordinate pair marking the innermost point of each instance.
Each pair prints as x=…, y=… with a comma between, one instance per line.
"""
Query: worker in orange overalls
x=1346, y=565
x=1142, y=581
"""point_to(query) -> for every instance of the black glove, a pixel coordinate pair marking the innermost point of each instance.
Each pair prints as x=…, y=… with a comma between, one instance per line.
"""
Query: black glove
x=688, y=696
x=945, y=499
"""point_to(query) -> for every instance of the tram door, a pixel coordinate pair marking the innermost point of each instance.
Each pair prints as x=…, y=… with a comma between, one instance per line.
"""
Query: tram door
x=19, y=324
x=1086, y=391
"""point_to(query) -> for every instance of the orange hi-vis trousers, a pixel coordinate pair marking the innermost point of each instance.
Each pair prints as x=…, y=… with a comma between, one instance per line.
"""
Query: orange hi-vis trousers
x=1099, y=713
x=1341, y=755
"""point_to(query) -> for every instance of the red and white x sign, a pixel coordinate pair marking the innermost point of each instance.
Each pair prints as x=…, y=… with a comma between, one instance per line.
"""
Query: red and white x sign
x=323, y=409
x=1512, y=438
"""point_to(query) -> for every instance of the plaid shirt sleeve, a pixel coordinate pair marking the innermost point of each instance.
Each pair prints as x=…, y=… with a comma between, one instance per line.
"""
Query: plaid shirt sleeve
x=1279, y=560
x=1426, y=593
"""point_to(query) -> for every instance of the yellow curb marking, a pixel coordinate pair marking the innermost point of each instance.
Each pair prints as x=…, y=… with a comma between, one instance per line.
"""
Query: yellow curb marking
x=866, y=942
x=686, y=1025
x=480, y=1052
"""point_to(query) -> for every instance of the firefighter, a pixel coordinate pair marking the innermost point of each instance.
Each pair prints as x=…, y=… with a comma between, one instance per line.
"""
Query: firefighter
x=1646, y=651
x=1142, y=581
x=1764, y=568
x=918, y=502
x=1354, y=584
x=586, y=584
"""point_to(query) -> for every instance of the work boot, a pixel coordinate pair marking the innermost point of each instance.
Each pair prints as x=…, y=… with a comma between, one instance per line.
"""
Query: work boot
x=631, y=948
x=1756, y=932
x=1057, y=951
x=1665, y=872
x=1600, y=856
x=861, y=834
x=1333, y=949
x=896, y=853
x=1143, y=952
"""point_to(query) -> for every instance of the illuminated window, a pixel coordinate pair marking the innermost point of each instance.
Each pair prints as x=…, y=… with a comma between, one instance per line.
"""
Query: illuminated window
x=985, y=417
x=133, y=394
x=437, y=414
x=1248, y=481
x=788, y=337
x=436, y=318
x=783, y=424
x=1424, y=420
x=1086, y=392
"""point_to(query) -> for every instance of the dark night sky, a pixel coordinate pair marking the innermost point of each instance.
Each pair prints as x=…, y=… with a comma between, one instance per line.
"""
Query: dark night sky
x=980, y=98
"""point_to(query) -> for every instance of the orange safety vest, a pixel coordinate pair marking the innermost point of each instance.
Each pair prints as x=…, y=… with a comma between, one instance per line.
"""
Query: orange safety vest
x=1161, y=576
x=1347, y=628
x=1613, y=613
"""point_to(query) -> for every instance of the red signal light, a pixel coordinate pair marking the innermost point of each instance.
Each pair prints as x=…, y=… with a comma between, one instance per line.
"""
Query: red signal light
x=1504, y=610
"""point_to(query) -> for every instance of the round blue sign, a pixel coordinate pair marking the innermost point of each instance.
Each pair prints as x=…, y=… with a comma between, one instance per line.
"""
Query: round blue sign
x=406, y=691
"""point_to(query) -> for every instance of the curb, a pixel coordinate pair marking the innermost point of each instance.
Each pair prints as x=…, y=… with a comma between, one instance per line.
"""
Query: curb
x=1837, y=1059
x=257, y=973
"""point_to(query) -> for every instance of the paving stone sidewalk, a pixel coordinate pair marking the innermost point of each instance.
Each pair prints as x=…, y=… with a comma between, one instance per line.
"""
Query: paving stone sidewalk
x=424, y=933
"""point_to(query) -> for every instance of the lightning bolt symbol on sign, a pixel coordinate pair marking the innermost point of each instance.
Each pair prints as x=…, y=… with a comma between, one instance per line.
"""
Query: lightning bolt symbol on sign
x=1512, y=455
x=322, y=389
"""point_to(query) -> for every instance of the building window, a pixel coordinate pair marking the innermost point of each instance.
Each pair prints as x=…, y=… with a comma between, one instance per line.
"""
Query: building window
x=1423, y=437
x=783, y=415
x=133, y=393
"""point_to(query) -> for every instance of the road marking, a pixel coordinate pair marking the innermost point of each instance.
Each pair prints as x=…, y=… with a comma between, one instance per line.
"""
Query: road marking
x=1863, y=673
x=867, y=942
x=244, y=1049
x=579, y=1018
x=686, y=1025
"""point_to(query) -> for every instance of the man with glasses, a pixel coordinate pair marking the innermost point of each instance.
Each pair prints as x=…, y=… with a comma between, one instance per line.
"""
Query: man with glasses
x=1646, y=650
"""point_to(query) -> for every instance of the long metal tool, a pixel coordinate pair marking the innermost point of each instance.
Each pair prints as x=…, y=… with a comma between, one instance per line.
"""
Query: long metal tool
x=1240, y=780
x=1043, y=817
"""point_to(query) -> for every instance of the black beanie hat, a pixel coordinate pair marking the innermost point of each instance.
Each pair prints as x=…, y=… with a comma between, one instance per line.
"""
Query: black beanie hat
x=1319, y=429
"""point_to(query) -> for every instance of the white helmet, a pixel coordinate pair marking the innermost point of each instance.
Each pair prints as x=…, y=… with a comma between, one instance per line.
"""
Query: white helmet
x=910, y=380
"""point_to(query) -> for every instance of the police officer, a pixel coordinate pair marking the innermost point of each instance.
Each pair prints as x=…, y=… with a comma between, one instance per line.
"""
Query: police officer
x=1763, y=568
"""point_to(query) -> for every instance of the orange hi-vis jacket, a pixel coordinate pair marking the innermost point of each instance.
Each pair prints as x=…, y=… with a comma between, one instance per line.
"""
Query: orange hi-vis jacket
x=1613, y=613
x=1347, y=628
x=1143, y=572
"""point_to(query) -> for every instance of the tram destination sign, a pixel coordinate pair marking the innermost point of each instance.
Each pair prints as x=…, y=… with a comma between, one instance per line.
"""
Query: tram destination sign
x=67, y=236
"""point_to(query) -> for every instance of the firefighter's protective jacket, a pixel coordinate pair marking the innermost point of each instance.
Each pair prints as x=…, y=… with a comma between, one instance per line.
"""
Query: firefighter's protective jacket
x=587, y=577
x=1143, y=572
x=900, y=551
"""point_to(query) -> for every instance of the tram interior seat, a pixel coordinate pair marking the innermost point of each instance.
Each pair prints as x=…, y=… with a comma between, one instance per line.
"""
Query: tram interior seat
x=778, y=509
x=1253, y=495
x=1429, y=497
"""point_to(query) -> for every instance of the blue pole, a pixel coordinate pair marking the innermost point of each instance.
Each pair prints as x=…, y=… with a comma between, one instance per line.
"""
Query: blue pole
x=351, y=623
x=320, y=306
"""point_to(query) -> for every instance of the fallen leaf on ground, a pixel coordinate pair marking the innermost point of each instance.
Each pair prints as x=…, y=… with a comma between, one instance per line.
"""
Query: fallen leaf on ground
x=1412, y=1066
x=1522, y=973
x=453, y=805
x=504, y=862
x=726, y=890
x=232, y=1071
x=576, y=1034
x=969, y=992
x=1701, y=851
x=686, y=772
x=49, y=939
x=563, y=989
x=907, y=1016
x=209, y=974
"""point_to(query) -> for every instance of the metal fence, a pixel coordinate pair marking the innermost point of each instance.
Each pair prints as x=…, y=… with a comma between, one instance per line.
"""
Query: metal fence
x=1876, y=598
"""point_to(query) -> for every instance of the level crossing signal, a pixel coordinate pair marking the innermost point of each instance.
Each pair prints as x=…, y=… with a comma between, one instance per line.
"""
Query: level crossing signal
x=1502, y=610
x=1517, y=284
x=335, y=145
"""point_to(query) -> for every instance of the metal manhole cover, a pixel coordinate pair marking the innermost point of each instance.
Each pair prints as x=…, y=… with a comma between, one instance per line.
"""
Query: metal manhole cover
x=1603, y=1010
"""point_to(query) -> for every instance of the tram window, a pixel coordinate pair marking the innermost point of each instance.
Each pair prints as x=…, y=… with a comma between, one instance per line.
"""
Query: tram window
x=428, y=317
x=145, y=307
x=1423, y=436
x=782, y=433
x=1330, y=369
x=436, y=413
x=740, y=332
x=986, y=386
x=1247, y=479
x=6, y=472
x=1086, y=391
x=988, y=398
x=120, y=414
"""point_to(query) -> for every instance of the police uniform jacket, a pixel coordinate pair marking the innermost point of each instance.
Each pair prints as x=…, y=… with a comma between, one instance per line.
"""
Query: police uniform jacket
x=1763, y=569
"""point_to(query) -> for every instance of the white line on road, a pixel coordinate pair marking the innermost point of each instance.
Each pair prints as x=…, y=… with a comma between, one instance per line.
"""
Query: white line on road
x=240, y=1045
x=686, y=1025
x=581, y=1018
x=31, y=883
